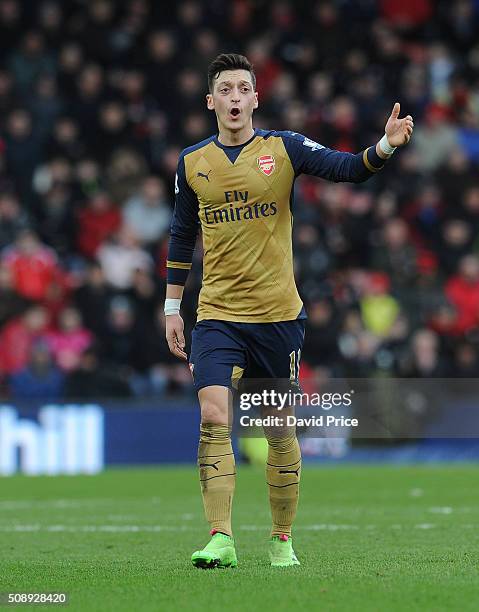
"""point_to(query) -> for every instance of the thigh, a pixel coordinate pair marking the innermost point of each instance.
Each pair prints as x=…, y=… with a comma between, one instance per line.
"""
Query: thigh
x=274, y=349
x=218, y=354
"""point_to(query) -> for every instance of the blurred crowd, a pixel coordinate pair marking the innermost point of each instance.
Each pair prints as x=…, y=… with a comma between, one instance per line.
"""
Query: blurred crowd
x=97, y=99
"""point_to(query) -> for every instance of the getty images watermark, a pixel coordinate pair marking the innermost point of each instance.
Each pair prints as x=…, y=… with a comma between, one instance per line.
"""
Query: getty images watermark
x=279, y=405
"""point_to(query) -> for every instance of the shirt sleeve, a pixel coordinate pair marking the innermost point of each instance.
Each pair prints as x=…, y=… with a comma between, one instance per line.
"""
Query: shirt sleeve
x=310, y=157
x=184, y=229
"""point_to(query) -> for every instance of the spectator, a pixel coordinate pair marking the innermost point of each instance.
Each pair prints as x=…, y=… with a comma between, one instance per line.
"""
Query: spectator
x=89, y=95
x=70, y=61
x=87, y=178
x=119, y=336
x=424, y=360
x=465, y=362
x=435, y=140
x=112, y=130
x=12, y=219
x=97, y=221
x=55, y=221
x=470, y=207
x=455, y=242
x=161, y=64
x=50, y=19
x=462, y=290
x=91, y=380
x=323, y=328
x=11, y=19
x=33, y=265
x=425, y=215
x=469, y=134
x=396, y=256
x=23, y=144
x=144, y=294
x=93, y=299
x=70, y=340
x=18, y=336
x=138, y=104
x=455, y=176
x=148, y=213
x=97, y=33
x=379, y=310
x=7, y=95
x=45, y=105
x=65, y=140
x=41, y=379
x=121, y=257
x=127, y=168
x=30, y=61
x=11, y=303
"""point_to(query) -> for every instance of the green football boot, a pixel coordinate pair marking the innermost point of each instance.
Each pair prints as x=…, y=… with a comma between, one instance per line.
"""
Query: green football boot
x=219, y=552
x=281, y=551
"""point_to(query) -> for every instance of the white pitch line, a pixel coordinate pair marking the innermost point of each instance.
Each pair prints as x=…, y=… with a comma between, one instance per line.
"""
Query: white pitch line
x=417, y=492
x=441, y=510
x=92, y=528
x=28, y=504
x=107, y=528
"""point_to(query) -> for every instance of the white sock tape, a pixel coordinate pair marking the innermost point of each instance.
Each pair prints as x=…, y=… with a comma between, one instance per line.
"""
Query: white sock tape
x=172, y=306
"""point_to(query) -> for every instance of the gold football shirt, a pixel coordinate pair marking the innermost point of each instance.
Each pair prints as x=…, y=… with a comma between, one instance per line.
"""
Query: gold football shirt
x=241, y=196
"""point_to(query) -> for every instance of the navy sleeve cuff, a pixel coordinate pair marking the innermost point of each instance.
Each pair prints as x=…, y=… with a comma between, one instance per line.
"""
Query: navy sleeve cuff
x=177, y=272
x=372, y=161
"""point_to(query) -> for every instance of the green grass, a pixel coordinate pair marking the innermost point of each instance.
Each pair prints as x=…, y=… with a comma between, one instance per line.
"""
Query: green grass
x=369, y=538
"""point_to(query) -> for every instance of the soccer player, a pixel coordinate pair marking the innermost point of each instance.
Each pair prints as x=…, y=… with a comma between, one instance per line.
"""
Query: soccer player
x=237, y=185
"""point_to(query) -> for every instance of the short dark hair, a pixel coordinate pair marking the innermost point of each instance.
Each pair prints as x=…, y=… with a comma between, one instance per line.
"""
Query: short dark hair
x=229, y=61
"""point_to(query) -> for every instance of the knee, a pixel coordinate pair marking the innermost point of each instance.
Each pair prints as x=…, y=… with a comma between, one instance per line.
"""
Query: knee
x=282, y=442
x=214, y=412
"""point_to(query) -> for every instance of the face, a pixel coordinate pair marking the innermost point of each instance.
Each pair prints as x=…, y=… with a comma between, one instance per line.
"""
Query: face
x=112, y=117
x=153, y=190
x=19, y=124
x=233, y=99
x=70, y=57
x=69, y=319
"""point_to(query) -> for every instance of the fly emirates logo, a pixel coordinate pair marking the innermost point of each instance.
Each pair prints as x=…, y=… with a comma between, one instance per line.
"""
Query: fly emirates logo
x=237, y=209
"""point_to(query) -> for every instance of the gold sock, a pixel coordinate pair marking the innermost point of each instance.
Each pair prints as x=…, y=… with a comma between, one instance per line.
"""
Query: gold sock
x=216, y=463
x=283, y=470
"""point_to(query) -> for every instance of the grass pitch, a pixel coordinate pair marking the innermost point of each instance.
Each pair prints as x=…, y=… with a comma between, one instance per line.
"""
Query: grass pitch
x=368, y=538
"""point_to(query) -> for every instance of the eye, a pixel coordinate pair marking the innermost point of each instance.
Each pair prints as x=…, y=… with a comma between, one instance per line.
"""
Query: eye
x=224, y=90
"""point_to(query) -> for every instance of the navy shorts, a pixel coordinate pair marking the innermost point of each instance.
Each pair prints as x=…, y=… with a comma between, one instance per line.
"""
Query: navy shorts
x=223, y=352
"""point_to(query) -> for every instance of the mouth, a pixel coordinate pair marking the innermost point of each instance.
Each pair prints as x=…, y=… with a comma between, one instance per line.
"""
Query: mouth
x=234, y=112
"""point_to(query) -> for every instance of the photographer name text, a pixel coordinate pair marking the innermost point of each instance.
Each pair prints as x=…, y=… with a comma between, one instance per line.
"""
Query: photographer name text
x=292, y=421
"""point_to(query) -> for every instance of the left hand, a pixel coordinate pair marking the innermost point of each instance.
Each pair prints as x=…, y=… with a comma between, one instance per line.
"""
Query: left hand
x=397, y=130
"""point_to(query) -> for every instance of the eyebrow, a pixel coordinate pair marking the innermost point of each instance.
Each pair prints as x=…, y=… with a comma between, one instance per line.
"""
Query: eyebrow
x=230, y=82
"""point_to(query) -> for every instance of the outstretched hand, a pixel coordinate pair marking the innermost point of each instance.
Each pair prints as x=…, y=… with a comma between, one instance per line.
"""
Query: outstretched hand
x=398, y=131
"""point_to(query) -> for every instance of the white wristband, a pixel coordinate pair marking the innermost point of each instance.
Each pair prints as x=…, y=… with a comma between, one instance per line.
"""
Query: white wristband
x=385, y=147
x=172, y=306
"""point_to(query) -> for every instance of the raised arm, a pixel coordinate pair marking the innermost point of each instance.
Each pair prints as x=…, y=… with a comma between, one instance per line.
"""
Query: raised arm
x=184, y=230
x=309, y=157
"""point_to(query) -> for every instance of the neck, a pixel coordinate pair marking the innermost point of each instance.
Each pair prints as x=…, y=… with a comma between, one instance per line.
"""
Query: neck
x=231, y=138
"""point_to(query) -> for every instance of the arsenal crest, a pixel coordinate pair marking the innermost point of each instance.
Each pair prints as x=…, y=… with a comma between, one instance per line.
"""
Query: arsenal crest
x=266, y=164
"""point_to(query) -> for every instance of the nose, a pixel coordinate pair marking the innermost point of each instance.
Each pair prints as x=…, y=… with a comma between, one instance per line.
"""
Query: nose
x=235, y=95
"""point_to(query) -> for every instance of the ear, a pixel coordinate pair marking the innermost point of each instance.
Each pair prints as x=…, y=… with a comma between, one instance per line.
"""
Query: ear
x=255, y=105
x=210, y=105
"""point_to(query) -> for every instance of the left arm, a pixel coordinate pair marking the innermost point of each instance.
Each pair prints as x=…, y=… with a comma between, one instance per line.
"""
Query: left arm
x=309, y=157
